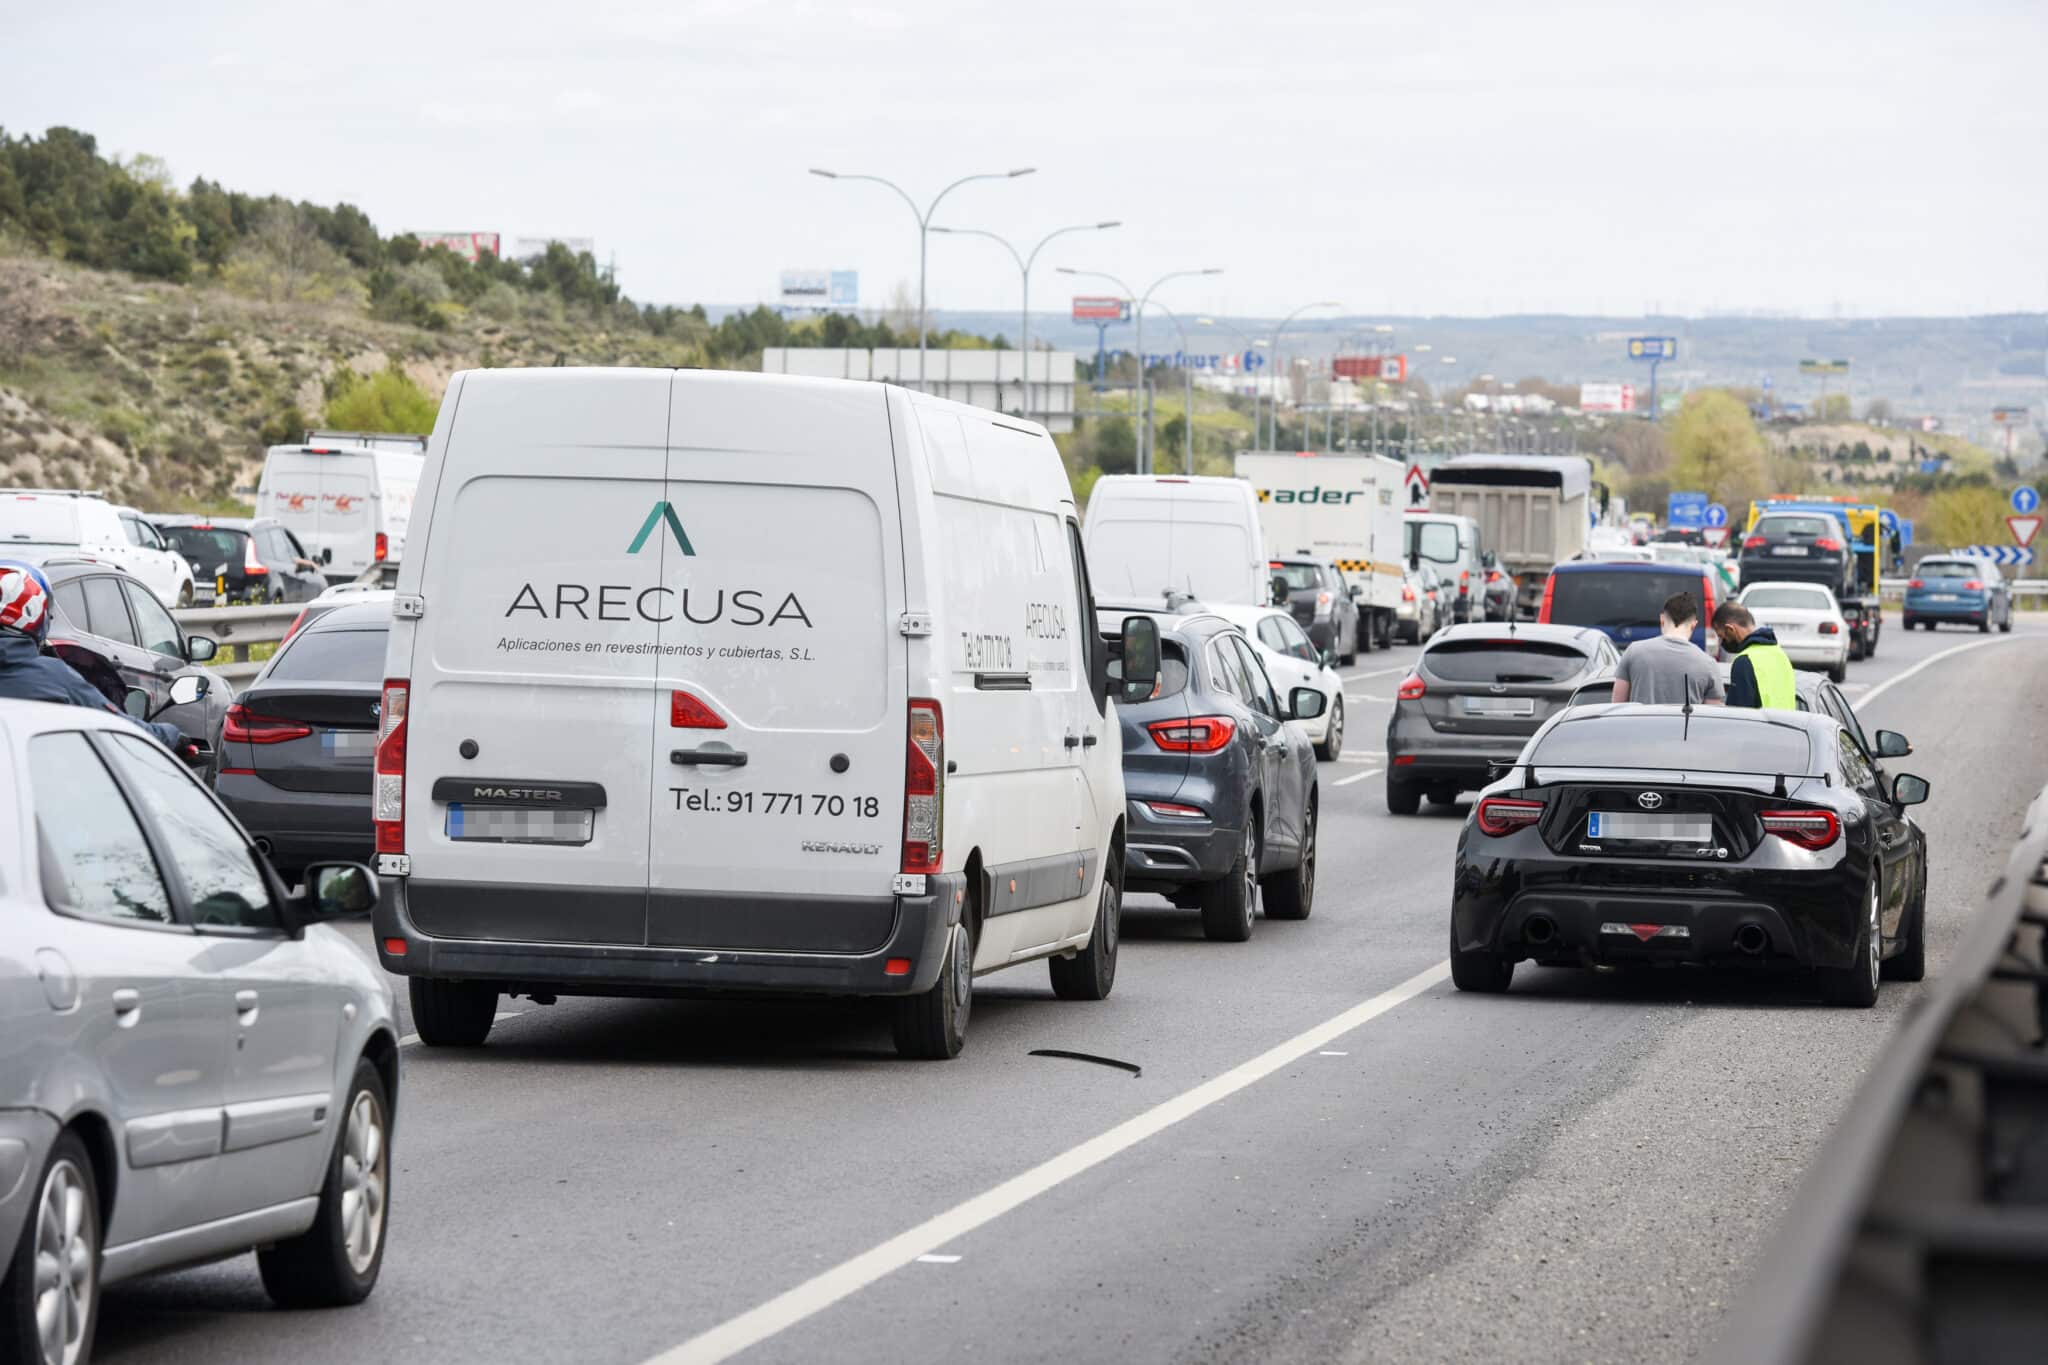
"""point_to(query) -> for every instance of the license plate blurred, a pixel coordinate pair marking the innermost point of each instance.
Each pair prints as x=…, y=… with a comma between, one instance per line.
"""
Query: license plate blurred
x=1944, y=597
x=1627, y=824
x=1499, y=706
x=512, y=825
x=1788, y=549
x=349, y=743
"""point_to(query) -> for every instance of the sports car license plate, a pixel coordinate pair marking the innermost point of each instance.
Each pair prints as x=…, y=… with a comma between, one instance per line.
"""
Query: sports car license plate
x=1788, y=549
x=1627, y=824
x=1499, y=706
x=512, y=825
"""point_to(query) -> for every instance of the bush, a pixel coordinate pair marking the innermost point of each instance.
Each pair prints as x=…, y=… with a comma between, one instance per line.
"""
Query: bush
x=386, y=401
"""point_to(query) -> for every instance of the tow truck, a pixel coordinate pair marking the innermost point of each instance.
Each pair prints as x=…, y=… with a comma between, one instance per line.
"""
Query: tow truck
x=1874, y=547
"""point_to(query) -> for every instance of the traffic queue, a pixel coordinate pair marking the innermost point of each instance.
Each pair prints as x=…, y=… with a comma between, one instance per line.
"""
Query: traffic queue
x=696, y=682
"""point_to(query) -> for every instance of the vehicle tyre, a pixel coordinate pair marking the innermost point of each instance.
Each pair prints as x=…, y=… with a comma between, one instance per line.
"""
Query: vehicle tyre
x=1090, y=973
x=1292, y=894
x=1839, y=673
x=1403, y=798
x=1443, y=796
x=335, y=1262
x=932, y=1026
x=1229, y=902
x=52, y=1276
x=1350, y=657
x=1333, y=739
x=1984, y=626
x=1910, y=962
x=1856, y=984
x=1910, y=623
x=452, y=1013
x=2005, y=626
x=184, y=595
x=1480, y=973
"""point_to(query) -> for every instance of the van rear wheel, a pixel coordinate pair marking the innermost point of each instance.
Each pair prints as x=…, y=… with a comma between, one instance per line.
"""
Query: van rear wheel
x=932, y=1026
x=1090, y=973
x=452, y=1013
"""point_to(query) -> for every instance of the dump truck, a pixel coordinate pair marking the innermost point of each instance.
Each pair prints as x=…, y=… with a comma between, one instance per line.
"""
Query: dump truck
x=1533, y=512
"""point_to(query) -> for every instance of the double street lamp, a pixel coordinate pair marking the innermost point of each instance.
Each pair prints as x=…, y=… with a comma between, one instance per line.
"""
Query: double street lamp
x=1141, y=421
x=1024, y=261
x=924, y=222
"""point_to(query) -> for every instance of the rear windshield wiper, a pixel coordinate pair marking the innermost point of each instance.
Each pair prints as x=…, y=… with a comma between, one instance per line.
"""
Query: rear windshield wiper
x=1521, y=678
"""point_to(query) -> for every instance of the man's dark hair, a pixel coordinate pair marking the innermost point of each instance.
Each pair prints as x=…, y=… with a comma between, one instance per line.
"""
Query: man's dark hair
x=1680, y=609
x=1733, y=614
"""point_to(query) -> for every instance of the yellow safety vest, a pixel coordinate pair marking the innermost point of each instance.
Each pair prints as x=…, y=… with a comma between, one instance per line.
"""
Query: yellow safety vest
x=1776, y=683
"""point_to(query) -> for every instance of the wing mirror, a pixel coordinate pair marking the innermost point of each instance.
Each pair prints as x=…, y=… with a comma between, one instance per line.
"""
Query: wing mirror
x=1140, y=657
x=190, y=688
x=327, y=555
x=1279, y=590
x=1908, y=790
x=1892, y=744
x=1328, y=658
x=1357, y=590
x=1306, y=703
x=336, y=889
x=200, y=648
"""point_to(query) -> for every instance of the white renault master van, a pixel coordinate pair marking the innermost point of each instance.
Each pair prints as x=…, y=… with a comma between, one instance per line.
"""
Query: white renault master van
x=1151, y=537
x=703, y=681
x=346, y=495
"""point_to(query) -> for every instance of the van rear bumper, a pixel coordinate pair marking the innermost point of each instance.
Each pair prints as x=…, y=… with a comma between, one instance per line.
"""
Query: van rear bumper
x=799, y=963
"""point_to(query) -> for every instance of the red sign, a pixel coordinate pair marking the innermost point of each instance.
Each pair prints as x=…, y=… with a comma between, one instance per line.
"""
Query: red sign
x=1715, y=536
x=1392, y=368
x=2023, y=529
x=1101, y=308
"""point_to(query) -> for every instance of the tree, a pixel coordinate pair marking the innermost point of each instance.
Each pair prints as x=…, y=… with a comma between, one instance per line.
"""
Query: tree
x=386, y=401
x=1878, y=411
x=285, y=253
x=1717, y=448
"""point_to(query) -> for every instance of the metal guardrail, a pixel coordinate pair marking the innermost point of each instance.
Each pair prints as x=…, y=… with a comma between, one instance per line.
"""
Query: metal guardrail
x=2021, y=587
x=235, y=629
x=1921, y=1232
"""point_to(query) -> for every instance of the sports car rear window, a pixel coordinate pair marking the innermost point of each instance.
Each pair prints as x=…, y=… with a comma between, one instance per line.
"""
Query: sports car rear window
x=1503, y=661
x=1703, y=742
x=1620, y=598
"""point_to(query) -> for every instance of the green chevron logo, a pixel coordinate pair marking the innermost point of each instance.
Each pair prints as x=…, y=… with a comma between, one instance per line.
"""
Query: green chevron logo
x=661, y=512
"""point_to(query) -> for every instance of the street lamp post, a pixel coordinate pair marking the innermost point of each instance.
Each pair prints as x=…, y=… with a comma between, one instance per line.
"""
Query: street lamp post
x=1024, y=262
x=1140, y=418
x=1187, y=378
x=1276, y=354
x=924, y=222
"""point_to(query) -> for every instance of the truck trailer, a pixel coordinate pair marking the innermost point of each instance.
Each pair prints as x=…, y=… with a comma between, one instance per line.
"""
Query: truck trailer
x=1533, y=512
x=1338, y=509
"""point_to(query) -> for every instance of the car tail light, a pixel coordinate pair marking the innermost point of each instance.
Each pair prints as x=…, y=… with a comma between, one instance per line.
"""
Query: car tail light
x=924, y=788
x=1549, y=591
x=1828, y=543
x=1494, y=575
x=1322, y=604
x=1974, y=585
x=251, y=564
x=1500, y=815
x=1176, y=810
x=293, y=628
x=1464, y=582
x=1195, y=735
x=1916, y=582
x=1806, y=828
x=244, y=726
x=1754, y=542
x=686, y=712
x=383, y=551
x=1407, y=593
x=387, y=805
x=1411, y=688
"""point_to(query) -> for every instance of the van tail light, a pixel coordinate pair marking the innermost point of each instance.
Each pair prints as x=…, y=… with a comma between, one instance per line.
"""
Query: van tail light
x=1806, y=828
x=1498, y=815
x=1411, y=688
x=293, y=628
x=1494, y=575
x=1549, y=592
x=686, y=712
x=1828, y=543
x=1754, y=542
x=924, y=789
x=1974, y=585
x=1407, y=593
x=1830, y=628
x=243, y=726
x=383, y=551
x=250, y=564
x=1195, y=735
x=387, y=804
x=1916, y=582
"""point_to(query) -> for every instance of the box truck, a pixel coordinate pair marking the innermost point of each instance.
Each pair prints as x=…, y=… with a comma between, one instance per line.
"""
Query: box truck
x=1336, y=509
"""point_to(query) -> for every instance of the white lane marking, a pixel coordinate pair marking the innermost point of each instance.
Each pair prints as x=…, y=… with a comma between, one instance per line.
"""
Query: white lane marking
x=1366, y=696
x=1357, y=777
x=1376, y=673
x=1874, y=693
x=409, y=1039
x=1362, y=756
x=931, y=1259
x=1333, y=1054
x=821, y=1291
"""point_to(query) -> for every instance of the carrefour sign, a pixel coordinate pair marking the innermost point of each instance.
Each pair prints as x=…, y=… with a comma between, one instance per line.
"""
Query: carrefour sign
x=1228, y=362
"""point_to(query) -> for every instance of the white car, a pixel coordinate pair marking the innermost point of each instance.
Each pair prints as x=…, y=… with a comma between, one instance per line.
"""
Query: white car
x=195, y=1065
x=44, y=520
x=805, y=695
x=1291, y=662
x=1807, y=621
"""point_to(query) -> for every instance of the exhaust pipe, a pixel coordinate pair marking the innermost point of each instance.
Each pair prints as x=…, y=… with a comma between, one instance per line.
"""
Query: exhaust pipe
x=1540, y=929
x=1752, y=939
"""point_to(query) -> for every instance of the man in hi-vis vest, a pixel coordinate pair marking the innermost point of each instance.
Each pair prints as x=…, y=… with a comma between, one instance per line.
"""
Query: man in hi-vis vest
x=1763, y=674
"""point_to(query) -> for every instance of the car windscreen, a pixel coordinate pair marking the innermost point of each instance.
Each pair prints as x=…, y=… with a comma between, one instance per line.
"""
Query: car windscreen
x=1793, y=528
x=207, y=547
x=345, y=656
x=1805, y=599
x=1437, y=540
x=1626, y=598
x=1707, y=741
x=1948, y=568
x=1300, y=577
x=1503, y=661
x=28, y=519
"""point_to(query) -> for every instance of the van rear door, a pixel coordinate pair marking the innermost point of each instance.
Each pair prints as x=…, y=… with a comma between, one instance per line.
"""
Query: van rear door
x=348, y=514
x=781, y=688
x=533, y=700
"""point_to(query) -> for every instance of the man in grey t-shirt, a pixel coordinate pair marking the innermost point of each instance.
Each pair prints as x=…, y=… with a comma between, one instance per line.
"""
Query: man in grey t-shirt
x=1669, y=669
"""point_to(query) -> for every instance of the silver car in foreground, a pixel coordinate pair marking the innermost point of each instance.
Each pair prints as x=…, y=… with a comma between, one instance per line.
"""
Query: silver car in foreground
x=191, y=1065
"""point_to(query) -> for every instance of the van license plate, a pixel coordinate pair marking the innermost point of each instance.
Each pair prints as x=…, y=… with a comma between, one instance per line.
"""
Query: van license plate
x=513, y=825
x=1627, y=824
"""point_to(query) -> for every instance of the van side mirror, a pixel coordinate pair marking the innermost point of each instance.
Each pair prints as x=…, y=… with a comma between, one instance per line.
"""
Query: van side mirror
x=1140, y=657
x=327, y=555
x=1357, y=590
x=1892, y=744
x=200, y=648
x=1305, y=703
x=1908, y=790
x=1489, y=560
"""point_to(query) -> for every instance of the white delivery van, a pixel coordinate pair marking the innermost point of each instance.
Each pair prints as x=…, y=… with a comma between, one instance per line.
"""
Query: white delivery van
x=1451, y=544
x=702, y=681
x=346, y=495
x=40, y=523
x=1152, y=538
x=1343, y=509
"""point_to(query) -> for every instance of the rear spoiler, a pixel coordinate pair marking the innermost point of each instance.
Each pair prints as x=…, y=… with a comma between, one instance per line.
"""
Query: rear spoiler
x=1781, y=784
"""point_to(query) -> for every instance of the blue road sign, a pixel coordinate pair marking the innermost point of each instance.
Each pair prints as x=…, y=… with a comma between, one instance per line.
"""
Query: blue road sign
x=2025, y=499
x=1717, y=515
x=1889, y=520
x=1767, y=383
x=1999, y=554
x=1905, y=534
x=1653, y=348
x=1685, y=511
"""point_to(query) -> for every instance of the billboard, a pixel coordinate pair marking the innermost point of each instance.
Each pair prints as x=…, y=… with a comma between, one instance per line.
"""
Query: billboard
x=1823, y=367
x=524, y=248
x=809, y=288
x=467, y=245
x=1101, y=308
x=1653, y=348
x=1392, y=368
x=1607, y=397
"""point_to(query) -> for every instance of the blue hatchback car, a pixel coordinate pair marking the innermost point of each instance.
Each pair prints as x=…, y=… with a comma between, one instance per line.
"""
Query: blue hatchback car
x=1968, y=592
x=1623, y=598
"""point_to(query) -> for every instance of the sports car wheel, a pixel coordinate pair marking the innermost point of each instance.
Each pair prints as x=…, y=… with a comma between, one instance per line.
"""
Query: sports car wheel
x=1856, y=984
x=1481, y=973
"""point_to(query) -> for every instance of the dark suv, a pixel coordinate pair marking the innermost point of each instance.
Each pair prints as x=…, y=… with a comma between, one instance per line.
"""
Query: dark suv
x=1799, y=547
x=244, y=559
x=1221, y=790
x=1322, y=605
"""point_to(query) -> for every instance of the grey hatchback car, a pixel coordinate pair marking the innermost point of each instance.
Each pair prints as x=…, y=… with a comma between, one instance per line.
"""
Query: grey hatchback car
x=193, y=1065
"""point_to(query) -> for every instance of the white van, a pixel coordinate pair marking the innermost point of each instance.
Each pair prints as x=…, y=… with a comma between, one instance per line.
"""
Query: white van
x=44, y=522
x=1156, y=537
x=1451, y=543
x=346, y=495
x=733, y=682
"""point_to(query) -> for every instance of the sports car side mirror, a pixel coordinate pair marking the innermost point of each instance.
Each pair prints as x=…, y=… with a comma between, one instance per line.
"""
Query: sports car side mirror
x=1892, y=744
x=1305, y=703
x=1908, y=790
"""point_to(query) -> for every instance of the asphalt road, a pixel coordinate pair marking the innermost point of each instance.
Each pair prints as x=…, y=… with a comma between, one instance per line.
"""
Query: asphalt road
x=1581, y=1170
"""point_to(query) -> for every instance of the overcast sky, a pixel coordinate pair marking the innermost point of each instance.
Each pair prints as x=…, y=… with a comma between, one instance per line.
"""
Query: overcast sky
x=1876, y=157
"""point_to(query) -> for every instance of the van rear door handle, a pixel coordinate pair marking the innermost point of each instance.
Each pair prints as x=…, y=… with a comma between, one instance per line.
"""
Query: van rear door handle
x=1073, y=741
x=1087, y=741
x=716, y=758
